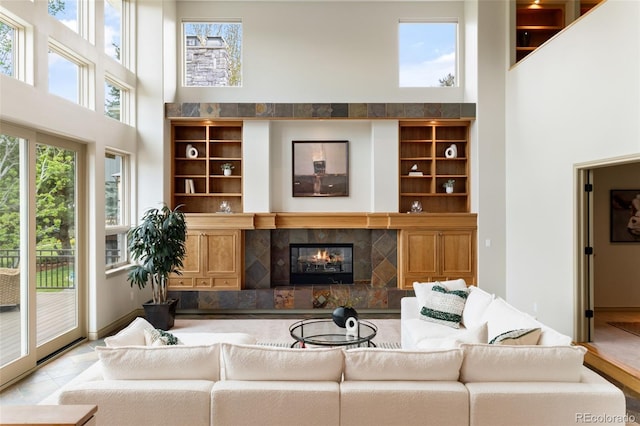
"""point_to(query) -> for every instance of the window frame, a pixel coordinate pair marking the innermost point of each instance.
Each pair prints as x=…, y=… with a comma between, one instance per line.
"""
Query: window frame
x=183, y=48
x=86, y=73
x=125, y=225
x=125, y=98
x=21, y=52
x=458, y=51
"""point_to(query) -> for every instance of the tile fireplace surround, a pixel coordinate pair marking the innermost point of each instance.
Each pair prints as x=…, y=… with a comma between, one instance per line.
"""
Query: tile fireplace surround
x=267, y=267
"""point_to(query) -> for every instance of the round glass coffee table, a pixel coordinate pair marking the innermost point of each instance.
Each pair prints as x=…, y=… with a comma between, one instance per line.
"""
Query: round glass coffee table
x=324, y=332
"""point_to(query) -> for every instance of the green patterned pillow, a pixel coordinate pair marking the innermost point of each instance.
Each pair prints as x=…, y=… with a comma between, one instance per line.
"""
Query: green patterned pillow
x=523, y=336
x=157, y=337
x=444, y=307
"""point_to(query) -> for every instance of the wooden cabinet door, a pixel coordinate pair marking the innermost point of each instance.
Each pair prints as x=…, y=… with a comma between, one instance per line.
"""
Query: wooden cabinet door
x=422, y=252
x=193, y=254
x=456, y=253
x=222, y=253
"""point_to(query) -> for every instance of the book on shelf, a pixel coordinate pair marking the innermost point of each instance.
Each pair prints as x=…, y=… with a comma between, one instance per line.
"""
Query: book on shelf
x=416, y=173
x=189, y=188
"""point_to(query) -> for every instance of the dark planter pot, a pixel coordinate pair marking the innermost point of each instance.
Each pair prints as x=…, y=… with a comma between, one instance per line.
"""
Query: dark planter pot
x=161, y=316
x=340, y=315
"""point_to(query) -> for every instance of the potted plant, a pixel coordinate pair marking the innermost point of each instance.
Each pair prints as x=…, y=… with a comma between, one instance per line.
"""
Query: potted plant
x=226, y=168
x=448, y=186
x=157, y=244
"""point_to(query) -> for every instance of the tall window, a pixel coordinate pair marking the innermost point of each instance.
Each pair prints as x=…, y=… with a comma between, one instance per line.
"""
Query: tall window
x=65, y=11
x=7, y=48
x=212, y=54
x=113, y=28
x=116, y=222
x=427, y=54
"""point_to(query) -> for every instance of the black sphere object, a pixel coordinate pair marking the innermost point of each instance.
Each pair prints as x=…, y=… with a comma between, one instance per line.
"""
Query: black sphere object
x=341, y=313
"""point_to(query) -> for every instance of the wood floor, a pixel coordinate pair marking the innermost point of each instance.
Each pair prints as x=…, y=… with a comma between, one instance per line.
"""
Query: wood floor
x=613, y=351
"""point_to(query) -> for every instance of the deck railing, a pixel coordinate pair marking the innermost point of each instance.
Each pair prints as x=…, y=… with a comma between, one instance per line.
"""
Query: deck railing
x=54, y=268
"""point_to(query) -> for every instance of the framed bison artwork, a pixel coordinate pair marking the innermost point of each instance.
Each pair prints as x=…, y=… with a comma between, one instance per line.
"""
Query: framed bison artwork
x=625, y=215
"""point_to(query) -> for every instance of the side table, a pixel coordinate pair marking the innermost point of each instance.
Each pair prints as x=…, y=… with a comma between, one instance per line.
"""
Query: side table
x=54, y=415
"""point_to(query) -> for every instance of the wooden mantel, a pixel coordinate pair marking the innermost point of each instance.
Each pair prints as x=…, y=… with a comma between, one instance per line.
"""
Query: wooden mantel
x=323, y=220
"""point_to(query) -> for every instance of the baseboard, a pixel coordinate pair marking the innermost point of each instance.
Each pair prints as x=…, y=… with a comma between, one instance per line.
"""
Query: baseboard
x=115, y=326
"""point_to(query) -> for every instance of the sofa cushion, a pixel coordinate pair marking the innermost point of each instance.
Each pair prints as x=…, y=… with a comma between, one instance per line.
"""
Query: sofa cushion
x=381, y=364
x=157, y=337
x=444, y=306
x=160, y=362
x=131, y=335
x=523, y=336
x=463, y=335
x=249, y=362
x=475, y=307
x=496, y=363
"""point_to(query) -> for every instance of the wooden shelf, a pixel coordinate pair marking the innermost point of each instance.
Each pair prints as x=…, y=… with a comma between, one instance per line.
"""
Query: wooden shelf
x=535, y=24
x=424, y=144
x=216, y=143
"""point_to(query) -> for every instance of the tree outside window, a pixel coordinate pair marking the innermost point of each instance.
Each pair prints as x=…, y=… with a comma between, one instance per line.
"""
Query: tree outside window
x=7, y=46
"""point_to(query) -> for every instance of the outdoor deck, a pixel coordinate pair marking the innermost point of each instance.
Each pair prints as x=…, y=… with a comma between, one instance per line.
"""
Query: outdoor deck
x=55, y=315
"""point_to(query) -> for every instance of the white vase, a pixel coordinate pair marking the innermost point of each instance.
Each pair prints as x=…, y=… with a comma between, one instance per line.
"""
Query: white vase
x=227, y=172
x=449, y=189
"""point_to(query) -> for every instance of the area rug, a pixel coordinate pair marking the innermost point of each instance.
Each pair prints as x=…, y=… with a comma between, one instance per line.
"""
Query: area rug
x=629, y=327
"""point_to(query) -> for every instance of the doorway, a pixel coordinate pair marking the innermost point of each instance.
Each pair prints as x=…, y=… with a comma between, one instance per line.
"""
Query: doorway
x=608, y=275
x=41, y=234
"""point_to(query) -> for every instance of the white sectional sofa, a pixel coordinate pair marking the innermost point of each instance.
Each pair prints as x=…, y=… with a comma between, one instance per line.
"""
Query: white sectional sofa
x=219, y=379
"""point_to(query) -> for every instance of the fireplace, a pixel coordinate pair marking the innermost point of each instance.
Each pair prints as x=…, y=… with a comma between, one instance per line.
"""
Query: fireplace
x=321, y=263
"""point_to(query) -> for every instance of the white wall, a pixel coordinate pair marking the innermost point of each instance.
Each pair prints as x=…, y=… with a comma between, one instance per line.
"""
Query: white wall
x=616, y=267
x=572, y=101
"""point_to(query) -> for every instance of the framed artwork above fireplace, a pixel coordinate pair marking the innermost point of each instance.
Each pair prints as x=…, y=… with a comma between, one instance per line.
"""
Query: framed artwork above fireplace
x=320, y=168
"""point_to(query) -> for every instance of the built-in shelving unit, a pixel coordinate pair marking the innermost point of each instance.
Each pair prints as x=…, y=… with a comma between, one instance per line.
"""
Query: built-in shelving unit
x=535, y=24
x=199, y=150
x=424, y=145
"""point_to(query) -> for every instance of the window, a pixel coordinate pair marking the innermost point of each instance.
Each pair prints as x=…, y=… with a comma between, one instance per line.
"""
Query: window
x=65, y=11
x=113, y=28
x=212, y=54
x=14, y=34
x=7, y=48
x=116, y=100
x=116, y=222
x=68, y=75
x=428, y=54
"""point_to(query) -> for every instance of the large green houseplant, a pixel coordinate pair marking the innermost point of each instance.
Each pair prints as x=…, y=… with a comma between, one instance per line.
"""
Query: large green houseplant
x=157, y=245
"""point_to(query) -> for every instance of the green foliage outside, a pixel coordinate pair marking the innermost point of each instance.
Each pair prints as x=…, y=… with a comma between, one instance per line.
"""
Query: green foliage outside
x=55, y=200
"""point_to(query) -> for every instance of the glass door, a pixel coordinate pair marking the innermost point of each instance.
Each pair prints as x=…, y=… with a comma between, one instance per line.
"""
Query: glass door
x=40, y=232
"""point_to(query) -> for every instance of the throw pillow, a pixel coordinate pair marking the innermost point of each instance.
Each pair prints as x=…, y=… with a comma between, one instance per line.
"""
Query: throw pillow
x=422, y=290
x=444, y=307
x=131, y=335
x=523, y=336
x=475, y=307
x=157, y=337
